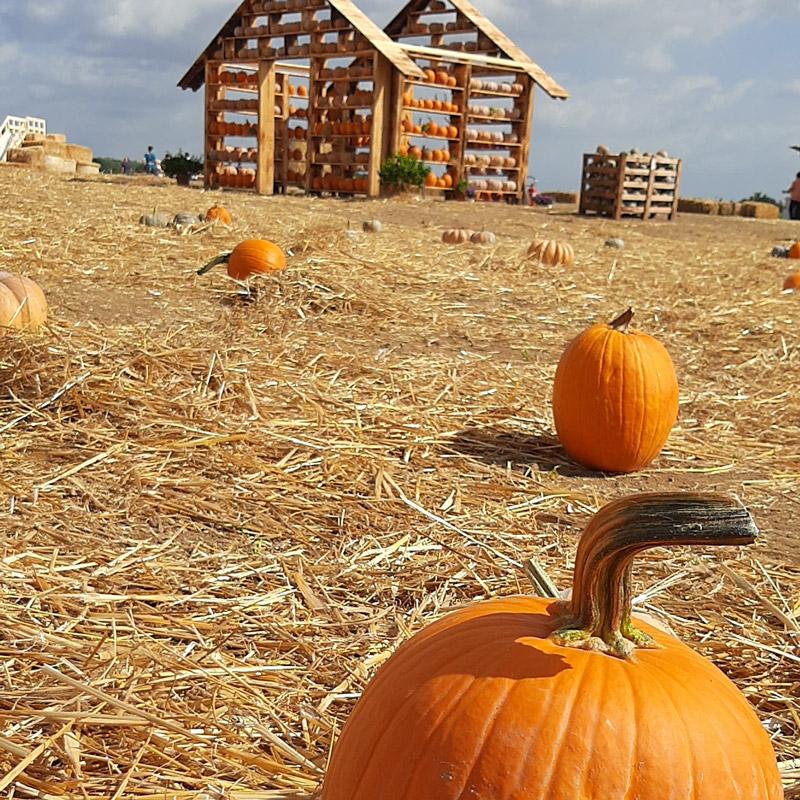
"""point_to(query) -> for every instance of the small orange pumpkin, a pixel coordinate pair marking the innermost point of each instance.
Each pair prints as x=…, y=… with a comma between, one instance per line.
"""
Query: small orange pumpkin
x=457, y=235
x=794, y=251
x=22, y=303
x=251, y=257
x=218, y=214
x=615, y=397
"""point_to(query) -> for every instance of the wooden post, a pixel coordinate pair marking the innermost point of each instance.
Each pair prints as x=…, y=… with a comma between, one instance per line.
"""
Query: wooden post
x=265, y=176
x=313, y=145
x=622, y=166
x=381, y=119
x=213, y=92
x=523, y=158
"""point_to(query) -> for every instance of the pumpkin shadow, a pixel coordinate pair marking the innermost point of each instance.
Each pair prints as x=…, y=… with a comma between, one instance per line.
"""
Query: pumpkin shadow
x=240, y=299
x=502, y=644
x=540, y=452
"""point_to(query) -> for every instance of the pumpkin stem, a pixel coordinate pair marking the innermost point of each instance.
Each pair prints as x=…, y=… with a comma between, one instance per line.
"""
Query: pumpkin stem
x=598, y=617
x=622, y=322
x=221, y=259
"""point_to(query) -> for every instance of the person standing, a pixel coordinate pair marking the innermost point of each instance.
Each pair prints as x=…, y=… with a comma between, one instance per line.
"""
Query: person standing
x=150, y=161
x=794, y=198
x=127, y=167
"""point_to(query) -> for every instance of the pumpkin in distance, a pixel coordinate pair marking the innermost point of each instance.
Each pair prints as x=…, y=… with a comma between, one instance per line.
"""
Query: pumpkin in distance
x=615, y=397
x=22, y=303
x=527, y=698
x=547, y=251
x=218, y=214
x=251, y=257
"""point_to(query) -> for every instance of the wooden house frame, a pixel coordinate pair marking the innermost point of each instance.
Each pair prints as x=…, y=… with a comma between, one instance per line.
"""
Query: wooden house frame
x=316, y=96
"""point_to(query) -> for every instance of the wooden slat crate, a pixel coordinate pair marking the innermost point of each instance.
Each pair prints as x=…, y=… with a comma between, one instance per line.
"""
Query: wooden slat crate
x=630, y=185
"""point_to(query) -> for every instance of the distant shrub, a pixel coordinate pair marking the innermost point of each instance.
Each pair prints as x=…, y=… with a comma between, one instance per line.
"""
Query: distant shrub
x=760, y=197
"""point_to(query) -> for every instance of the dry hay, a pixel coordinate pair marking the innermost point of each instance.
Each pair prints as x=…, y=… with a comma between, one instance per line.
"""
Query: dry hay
x=760, y=210
x=693, y=205
x=220, y=516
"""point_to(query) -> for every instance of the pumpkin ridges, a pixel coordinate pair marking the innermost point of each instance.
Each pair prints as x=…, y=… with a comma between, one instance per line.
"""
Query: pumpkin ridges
x=566, y=712
x=545, y=717
x=22, y=303
x=597, y=407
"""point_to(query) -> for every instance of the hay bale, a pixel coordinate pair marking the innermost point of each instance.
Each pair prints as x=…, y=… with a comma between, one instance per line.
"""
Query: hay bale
x=692, y=205
x=727, y=209
x=60, y=138
x=30, y=156
x=563, y=197
x=58, y=165
x=82, y=155
x=87, y=169
x=760, y=210
x=33, y=138
x=50, y=148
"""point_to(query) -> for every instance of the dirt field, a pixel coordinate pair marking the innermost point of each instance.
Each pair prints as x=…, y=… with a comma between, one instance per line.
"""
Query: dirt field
x=220, y=514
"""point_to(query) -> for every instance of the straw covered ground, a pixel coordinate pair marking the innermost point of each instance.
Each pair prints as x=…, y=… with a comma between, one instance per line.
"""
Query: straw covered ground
x=219, y=516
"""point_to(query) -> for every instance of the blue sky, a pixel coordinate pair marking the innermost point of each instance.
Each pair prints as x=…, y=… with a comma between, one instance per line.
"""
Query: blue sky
x=715, y=82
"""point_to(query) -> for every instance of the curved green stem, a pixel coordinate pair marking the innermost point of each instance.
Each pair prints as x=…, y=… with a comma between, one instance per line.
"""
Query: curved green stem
x=222, y=259
x=599, y=614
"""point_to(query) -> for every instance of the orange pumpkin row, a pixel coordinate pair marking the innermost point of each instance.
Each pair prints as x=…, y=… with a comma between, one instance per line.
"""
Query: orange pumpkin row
x=430, y=104
x=330, y=183
x=445, y=182
x=242, y=180
x=231, y=129
x=295, y=177
x=430, y=129
x=441, y=77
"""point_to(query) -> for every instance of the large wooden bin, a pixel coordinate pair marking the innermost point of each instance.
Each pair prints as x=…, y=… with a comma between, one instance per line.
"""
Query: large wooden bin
x=630, y=185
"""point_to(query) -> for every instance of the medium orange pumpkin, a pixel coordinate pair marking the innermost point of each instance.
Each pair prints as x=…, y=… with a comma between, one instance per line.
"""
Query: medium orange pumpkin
x=251, y=257
x=218, y=214
x=527, y=698
x=794, y=251
x=546, y=251
x=615, y=397
x=22, y=303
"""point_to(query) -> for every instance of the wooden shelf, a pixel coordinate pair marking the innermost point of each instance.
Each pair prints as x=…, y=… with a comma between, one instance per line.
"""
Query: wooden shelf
x=346, y=79
x=434, y=111
x=425, y=85
x=487, y=93
x=474, y=144
x=480, y=118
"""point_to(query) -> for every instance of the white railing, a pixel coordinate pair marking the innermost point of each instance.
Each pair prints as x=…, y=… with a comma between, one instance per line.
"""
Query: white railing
x=14, y=129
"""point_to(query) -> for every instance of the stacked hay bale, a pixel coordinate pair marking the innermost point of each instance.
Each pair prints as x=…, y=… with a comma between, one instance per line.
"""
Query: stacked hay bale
x=692, y=205
x=51, y=152
x=760, y=210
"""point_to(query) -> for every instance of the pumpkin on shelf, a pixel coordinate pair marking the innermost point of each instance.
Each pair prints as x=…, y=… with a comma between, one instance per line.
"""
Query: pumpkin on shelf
x=548, y=251
x=251, y=257
x=22, y=303
x=534, y=698
x=218, y=214
x=615, y=397
x=431, y=180
x=457, y=235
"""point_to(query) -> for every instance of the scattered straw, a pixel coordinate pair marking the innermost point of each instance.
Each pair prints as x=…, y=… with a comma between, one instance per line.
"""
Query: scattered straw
x=221, y=515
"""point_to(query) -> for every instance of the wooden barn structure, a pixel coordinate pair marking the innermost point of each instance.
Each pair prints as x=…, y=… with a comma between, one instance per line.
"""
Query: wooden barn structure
x=313, y=94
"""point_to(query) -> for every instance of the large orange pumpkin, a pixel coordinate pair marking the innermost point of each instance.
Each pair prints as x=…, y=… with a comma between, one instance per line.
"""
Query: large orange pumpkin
x=527, y=698
x=251, y=257
x=615, y=397
x=22, y=303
